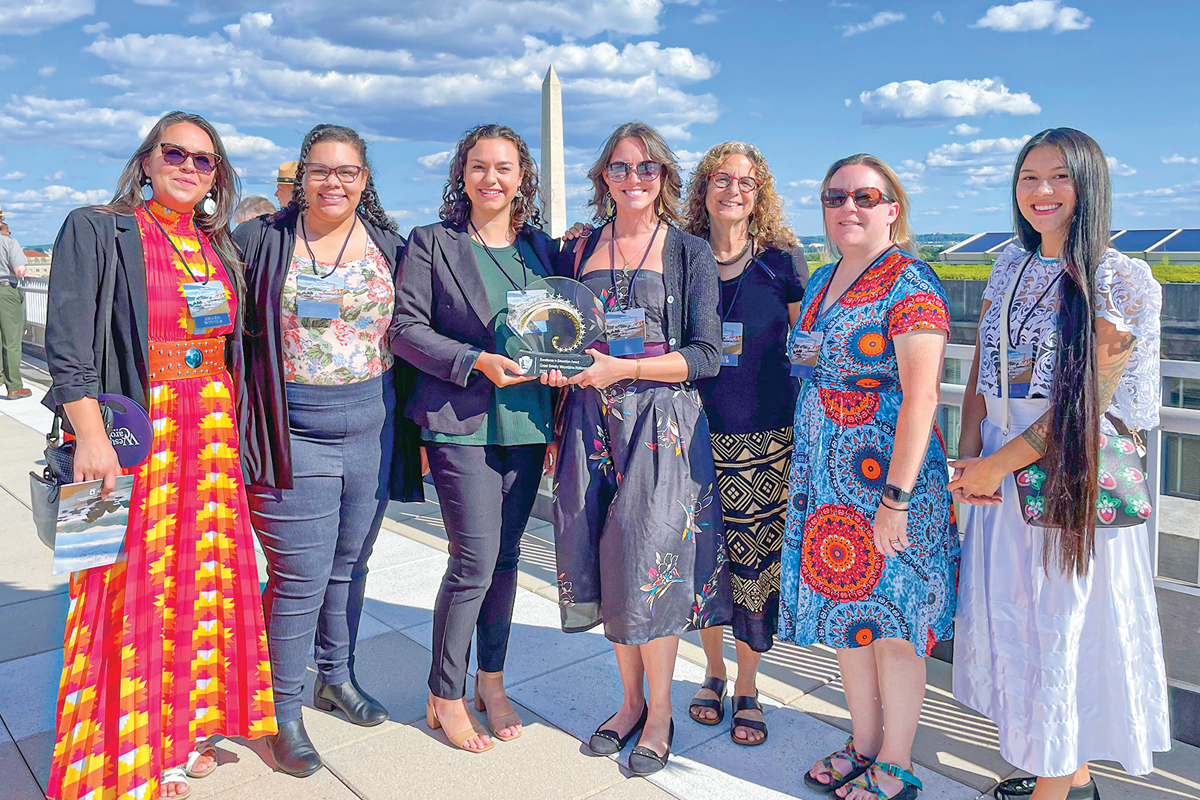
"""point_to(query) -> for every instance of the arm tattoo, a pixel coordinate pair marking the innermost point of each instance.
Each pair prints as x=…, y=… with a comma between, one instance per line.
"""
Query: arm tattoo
x=1109, y=374
x=1036, y=434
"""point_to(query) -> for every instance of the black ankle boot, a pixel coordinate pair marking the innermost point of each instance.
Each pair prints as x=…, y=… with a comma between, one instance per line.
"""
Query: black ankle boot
x=293, y=750
x=358, y=706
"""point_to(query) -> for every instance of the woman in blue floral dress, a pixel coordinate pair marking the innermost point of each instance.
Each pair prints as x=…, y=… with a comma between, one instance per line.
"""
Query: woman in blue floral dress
x=870, y=554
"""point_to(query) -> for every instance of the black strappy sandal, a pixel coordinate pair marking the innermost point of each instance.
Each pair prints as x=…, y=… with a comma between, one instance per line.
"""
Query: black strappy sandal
x=717, y=687
x=746, y=703
x=607, y=742
x=644, y=761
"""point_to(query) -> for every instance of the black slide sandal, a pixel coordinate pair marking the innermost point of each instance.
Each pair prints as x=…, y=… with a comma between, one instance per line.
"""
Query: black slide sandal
x=717, y=687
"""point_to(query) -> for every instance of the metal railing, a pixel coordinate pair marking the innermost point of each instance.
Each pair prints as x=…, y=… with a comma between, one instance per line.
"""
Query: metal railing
x=36, y=293
x=1171, y=420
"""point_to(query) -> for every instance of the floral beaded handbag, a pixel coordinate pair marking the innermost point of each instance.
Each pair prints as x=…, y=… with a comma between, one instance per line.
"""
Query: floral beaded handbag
x=1123, y=498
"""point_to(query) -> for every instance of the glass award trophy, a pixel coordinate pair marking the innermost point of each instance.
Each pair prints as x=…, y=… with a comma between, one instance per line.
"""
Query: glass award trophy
x=556, y=319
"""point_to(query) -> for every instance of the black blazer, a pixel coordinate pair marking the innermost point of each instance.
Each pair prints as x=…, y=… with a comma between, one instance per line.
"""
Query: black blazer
x=266, y=244
x=443, y=322
x=92, y=244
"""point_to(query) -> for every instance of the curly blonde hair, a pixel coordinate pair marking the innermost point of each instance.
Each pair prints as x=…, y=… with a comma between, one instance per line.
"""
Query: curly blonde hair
x=658, y=150
x=769, y=222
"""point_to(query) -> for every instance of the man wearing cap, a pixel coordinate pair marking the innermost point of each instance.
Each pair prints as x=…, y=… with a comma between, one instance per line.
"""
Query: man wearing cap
x=285, y=182
x=12, y=313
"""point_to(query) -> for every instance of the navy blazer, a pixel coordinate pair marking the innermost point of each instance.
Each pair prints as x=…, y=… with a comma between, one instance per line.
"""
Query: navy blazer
x=266, y=244
x=443, y=322
x=92, y=243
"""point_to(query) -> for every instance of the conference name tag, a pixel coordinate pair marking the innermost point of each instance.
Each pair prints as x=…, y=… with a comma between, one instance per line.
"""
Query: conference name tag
x=1020, y=369
x=319, y=298
x=207, y=304
x=731, y=343
x=626, y=332
x=804, y=351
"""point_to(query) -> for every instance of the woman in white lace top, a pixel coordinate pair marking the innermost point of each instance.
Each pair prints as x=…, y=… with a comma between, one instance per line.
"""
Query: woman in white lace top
x=1057, y=635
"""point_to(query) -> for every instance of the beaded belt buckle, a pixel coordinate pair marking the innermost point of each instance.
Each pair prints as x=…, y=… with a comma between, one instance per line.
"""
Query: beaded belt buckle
x=189, y=358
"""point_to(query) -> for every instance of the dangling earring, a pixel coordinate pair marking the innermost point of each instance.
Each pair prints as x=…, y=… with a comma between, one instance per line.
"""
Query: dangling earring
x=660, y=205
x=147, y=190
x=753, y=226
x=518, y=195
x=208, y=206
x=610, y=208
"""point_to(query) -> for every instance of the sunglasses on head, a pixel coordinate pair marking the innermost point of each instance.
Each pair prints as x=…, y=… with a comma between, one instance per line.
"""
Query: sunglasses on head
x=721, y=180
x=618, y=171
x=346, y=173
x=867, y=197
x=203, y=161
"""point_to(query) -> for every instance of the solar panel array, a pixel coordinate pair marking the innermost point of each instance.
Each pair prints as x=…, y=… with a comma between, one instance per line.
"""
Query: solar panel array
x=1163, y=242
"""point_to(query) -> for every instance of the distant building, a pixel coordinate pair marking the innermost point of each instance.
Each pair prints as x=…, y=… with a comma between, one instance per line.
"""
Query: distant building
x=1177, y=245
x=38, y=265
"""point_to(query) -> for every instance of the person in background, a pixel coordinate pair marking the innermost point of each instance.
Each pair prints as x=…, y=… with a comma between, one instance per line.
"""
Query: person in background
x=637, y=524
x=485, y=426
x=285, y=182
x=12, y=313
x=323, y=446
x=731, y=202
x=1058, y=637
x=870, y=555
x=166, y=648
x=251, y=207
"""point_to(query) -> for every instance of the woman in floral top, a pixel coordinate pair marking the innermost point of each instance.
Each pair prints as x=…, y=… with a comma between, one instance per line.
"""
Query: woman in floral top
x=321, y=273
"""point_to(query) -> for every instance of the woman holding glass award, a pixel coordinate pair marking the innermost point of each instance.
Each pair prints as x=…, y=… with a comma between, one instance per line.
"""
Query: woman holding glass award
x=485, y=426
x=637, y=523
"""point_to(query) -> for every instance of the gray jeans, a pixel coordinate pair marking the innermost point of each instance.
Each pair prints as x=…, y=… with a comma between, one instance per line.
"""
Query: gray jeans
x=318, y=535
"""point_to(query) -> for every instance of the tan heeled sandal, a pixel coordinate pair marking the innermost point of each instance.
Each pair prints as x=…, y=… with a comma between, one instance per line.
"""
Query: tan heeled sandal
x=457, y=738
x=502, y=719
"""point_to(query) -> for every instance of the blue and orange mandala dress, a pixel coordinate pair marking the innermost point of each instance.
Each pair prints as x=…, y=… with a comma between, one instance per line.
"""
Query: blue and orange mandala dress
x=836, y=588
x=167, y=648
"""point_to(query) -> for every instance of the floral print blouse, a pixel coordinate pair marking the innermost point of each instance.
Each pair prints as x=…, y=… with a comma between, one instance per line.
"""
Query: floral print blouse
x=352, y=348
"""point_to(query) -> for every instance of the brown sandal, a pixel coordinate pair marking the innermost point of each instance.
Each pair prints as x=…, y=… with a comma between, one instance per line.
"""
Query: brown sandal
x=502, y=718
x=457, y=738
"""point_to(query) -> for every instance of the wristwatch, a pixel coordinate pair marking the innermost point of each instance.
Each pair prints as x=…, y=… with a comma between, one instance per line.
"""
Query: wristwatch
x=896, y=494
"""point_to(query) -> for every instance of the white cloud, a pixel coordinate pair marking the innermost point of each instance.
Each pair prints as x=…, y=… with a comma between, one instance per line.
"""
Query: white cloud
x=920, y=103
x=1178, y=159
x=25, y=17
x=13, y=176
x=849, y=102
x=938, y=18
x=6, y=61
x=688, y=159
x=154, y=2
x=95, y=27
x=963, y=129
x=706, y=18
x=46, y=71
x=58, y=176
x=880, y=20
x=807, y=183
x=435, y=160
x=56, y=193
x=1117, y=168
x=981, y=152
x=1034, y=15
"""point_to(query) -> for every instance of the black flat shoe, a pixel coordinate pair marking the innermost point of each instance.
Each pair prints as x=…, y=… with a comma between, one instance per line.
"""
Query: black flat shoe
x=717, y=687
x=644, y=761
x=293, y=751
x=607, y=742
x=358, y=706
x=1020, y=788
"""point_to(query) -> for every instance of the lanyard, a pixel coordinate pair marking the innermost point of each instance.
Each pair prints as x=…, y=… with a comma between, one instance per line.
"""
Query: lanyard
x=738, y=288
x=342, y=252
x=833, y=274
x=496, y=261
x=178, y=252
x=612, y=265
x=1029, y=314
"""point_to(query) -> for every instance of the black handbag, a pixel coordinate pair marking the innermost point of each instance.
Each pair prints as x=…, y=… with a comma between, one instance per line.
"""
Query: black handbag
x=60, y=455
x=1123, y=498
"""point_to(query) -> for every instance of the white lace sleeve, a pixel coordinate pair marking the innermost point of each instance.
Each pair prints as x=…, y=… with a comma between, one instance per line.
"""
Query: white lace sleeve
x=1128, y=296
x=1000, y=275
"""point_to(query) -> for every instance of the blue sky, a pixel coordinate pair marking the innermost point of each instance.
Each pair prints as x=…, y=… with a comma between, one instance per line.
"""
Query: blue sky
x=944, y=91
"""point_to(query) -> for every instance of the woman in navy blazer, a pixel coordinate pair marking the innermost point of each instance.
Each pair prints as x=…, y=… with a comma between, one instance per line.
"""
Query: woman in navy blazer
x=485, y=427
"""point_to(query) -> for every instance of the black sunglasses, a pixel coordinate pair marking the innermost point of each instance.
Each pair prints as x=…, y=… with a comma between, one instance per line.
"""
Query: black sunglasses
x=618, y=171
x=203, y=161
x=867, y=197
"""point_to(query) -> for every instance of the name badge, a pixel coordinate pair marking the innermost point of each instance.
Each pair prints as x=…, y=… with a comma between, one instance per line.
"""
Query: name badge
x=626, y=332
x=207, y=304
x=319, y=298
x=803, y=351
x=731, y=343
x=1020, y=369
x=516, y=298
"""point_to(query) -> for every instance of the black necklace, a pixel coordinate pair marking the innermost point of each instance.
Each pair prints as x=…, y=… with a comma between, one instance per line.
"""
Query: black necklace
x=739, y=256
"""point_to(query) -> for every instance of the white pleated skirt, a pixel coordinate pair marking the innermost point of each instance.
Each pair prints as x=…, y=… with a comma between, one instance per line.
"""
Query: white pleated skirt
x=1069, y=669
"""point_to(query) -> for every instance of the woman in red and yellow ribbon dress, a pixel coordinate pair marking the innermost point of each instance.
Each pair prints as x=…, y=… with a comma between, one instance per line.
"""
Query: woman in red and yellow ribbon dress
x=166, y=648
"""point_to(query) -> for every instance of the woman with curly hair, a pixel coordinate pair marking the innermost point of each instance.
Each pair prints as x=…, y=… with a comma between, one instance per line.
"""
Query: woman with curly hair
x=637, y=527
x=731, y=202
x=322, y=452
x=485, y=427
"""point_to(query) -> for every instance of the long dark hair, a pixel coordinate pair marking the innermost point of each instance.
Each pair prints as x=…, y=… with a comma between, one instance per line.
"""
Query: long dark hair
x=657, y=148
x=1073, y=444
x=456, y=206
x=225, y=189
x=369, y=207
